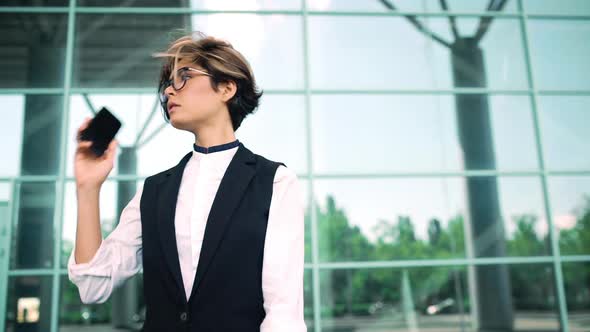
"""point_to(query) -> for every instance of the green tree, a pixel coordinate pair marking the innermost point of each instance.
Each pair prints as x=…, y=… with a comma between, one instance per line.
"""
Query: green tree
x=525, y=241
x=576, y=241
x=339, y=241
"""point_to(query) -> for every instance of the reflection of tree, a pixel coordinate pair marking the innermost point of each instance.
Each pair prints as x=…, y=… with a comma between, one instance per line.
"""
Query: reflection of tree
x=72, y=310
x=398, y=241
x=525, y=241
x=576, y=241
x=532, y=285
x=356, y=292
x=342, y=241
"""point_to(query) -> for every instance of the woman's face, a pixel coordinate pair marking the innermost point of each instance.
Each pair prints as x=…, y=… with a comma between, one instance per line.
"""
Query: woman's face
x=196, y=104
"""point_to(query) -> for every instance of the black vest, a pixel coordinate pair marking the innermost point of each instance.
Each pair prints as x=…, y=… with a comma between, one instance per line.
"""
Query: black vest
x=227, y=290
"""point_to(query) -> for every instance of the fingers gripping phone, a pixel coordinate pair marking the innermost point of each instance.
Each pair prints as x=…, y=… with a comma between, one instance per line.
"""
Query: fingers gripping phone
x=101, y=130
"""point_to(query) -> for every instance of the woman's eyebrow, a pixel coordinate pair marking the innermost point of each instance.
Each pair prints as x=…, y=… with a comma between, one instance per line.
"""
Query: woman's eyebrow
x=178, y=71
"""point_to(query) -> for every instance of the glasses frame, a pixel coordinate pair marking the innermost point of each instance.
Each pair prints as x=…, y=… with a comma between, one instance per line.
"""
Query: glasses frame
x=170, y=82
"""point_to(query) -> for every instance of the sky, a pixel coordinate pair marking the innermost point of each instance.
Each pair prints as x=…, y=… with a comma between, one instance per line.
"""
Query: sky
x=365, y=134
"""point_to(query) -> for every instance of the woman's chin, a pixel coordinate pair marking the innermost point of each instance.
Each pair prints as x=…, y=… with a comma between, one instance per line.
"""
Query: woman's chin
x=176, y=122
x=180, y=124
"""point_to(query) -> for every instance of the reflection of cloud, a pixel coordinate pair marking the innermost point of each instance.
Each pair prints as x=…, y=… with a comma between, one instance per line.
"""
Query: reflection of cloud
x=565, y=221
x=542, y=228
x=244, y=31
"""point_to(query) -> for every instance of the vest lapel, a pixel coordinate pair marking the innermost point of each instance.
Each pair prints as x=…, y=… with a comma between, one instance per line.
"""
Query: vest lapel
x=167, y=195
x=233, y=185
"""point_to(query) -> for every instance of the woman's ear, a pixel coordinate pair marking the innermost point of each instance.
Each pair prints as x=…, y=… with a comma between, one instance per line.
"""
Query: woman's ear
x=228, y=90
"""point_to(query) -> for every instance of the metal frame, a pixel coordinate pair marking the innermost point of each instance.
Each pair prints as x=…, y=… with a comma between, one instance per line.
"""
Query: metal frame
x=315, y=266
x=559, y=285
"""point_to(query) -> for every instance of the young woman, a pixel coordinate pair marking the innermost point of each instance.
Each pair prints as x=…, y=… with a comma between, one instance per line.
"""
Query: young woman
x=220, y=235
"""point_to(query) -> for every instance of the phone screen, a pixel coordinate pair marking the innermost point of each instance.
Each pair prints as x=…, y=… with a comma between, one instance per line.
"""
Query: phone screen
x=101, y=130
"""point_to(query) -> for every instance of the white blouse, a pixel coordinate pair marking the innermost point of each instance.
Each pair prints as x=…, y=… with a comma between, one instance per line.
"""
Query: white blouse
x=120, y=253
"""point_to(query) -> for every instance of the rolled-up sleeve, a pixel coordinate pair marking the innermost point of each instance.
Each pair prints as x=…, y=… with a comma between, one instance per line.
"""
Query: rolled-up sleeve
x=282, y=270
x=118, y=258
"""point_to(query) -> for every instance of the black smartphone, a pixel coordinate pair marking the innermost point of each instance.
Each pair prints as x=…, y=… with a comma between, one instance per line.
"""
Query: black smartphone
x=101, y=130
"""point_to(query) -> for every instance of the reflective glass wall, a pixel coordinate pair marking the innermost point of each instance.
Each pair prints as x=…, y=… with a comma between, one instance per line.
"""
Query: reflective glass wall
x=443, y=148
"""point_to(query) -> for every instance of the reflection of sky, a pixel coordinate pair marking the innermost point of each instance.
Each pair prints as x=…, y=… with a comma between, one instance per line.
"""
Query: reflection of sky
x=108, y=194
x=374, y=133
x=388, y=53
x=412, y=133
x=5, y=192
x=275, y=59
x=11, y=143
x=407, y=5
x=561, y=50
x=564, y=123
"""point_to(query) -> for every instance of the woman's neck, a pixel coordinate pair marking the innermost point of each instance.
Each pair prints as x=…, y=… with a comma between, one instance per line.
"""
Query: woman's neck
x=208, y=139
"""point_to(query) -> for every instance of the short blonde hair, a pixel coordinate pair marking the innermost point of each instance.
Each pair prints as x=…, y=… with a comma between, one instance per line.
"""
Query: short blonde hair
x=223, y=63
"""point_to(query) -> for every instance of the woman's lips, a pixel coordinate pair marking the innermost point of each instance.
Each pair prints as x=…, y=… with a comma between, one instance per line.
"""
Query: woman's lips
x=171, y=105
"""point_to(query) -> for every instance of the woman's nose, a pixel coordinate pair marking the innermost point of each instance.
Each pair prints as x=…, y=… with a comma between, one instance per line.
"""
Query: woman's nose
x=169, y=91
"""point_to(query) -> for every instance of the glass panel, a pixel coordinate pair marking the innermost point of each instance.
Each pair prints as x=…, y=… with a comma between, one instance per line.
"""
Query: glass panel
x=5, y=222
x=33, y=50
x=200, y=4
x=133, y=111
x=426, y=299
x=411, y=60
x=114, y=196
x=125, y=308
x=32, y=136
x=308, y=299
x=5, y=192
x=506, y=297
x=277, y=131
x=32, y=240
x=533, y=294
x=550, y=7
x=577, y=293
x=570, y=205
x=566, y=140
x=566, y=43
x=304, y=184
x=166, y=148
x=28, y=307
x=406, y=5
x=421, y=133
x=22, y=3
x=424, y=218
x=73, y=312
x=116, y=50
x=263, y=132
x=272, y=44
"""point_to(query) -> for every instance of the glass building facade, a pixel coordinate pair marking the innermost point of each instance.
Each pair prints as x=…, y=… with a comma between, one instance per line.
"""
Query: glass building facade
x=443, y=148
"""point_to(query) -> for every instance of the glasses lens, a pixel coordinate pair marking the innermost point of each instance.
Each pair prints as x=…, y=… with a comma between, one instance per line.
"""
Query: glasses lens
x=179, y=79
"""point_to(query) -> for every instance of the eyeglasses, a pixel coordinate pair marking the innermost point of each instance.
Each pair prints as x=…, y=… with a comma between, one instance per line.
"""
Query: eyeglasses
x=177, y=83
